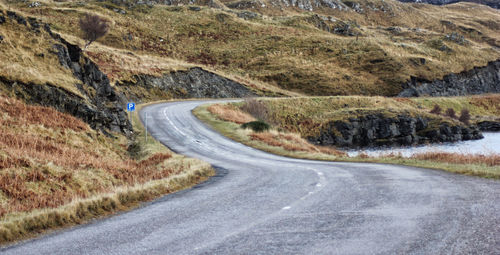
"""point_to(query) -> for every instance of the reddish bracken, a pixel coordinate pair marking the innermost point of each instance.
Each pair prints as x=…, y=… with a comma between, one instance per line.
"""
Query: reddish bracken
x=40, y=169
x=29, y=115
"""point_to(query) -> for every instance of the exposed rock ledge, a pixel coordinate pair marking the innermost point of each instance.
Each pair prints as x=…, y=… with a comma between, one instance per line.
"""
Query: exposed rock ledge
x=493, y=126
x=479, y=80
x=378, y=130
x=101, y=106
x=192, y=83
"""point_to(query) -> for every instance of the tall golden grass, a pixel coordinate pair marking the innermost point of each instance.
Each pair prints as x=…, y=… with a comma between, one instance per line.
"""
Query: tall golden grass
x=230, y=113
x=459, y=158
x=44, y=153
x=286, y=50
x=55, y=171
x=293, y=142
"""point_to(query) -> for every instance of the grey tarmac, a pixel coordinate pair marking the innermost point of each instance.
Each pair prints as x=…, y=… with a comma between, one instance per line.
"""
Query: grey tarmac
x=266, y=204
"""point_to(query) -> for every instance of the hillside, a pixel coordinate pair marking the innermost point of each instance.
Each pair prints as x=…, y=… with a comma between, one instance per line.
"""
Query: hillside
x=356, y=121
x=314, y=127
x=70, y=152
x=57, y=171
x=491, y=3
x=365, y=47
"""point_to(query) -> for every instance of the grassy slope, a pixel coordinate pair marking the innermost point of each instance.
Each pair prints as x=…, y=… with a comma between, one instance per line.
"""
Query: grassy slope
x=276, y=142
x=308, y=115
x=56, y=171
x=284, y=48
x=485, y=107
x=28, y=57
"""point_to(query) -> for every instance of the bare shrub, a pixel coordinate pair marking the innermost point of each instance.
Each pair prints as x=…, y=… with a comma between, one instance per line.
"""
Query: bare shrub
x=256, y=108
x=93, y=28
x=436, y=109
x=450, y=113
x=464, y=116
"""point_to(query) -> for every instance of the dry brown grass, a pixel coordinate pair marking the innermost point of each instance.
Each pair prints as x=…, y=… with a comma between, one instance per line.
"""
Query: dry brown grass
x=122, y=65
x=457, y=158
x=481, y=107
x=287, y=51
x=30, y=115
x=26, y=158
x=29, y=57
x=287, y=144
x=230, y=113
x=54, y=166
x=489, y=103
x=292, y=142
x=288, y=141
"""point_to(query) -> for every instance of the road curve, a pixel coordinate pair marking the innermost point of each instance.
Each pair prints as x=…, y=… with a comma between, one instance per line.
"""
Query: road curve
x=266, y=204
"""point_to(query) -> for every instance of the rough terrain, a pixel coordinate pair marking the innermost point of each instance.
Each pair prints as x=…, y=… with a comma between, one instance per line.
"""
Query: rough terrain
x=266, y=204
x=480, y=80
x=491, y=3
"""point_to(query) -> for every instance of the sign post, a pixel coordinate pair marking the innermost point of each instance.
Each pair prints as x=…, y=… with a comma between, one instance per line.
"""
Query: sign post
x=131, y=108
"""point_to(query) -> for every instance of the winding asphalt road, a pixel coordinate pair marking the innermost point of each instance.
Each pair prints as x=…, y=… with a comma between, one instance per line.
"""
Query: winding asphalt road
x=265, y=204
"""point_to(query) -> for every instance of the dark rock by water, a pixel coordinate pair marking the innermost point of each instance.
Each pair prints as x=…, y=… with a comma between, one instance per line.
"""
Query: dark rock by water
x=378, y=130
x=489, y=126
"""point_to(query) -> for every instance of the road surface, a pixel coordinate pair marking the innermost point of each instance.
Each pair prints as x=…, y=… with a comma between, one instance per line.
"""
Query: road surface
x=265, y=204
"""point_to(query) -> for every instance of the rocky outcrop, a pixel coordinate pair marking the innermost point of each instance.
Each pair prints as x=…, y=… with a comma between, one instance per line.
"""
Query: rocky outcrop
x=491, y=3
x=307, y=5
x=108, y=105
x=493, y=126
x=192, y=83
x=101, y=106
x=310, y=5
x=48, y=95
x=378, y=130
x=133, y=3
x=479, y=80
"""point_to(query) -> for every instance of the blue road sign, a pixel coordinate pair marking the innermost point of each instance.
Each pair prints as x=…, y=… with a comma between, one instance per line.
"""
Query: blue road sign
x=131, y=107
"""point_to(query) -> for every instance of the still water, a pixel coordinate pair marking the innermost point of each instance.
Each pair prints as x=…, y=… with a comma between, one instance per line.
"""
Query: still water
x=488, y=145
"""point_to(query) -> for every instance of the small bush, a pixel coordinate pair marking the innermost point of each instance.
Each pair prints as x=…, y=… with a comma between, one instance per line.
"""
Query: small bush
x=255, y=108
x=436, y=109
x=450, y=113
x=464, y=116
x=256, y=126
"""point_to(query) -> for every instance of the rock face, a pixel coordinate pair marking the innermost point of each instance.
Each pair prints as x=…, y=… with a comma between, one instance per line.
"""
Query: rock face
x=479, y=80
x=491, y=3
x=101, y=106
x=310, y=5
x=195, y=82
x=307, y=5
x=377, y=130
x=493, y=126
